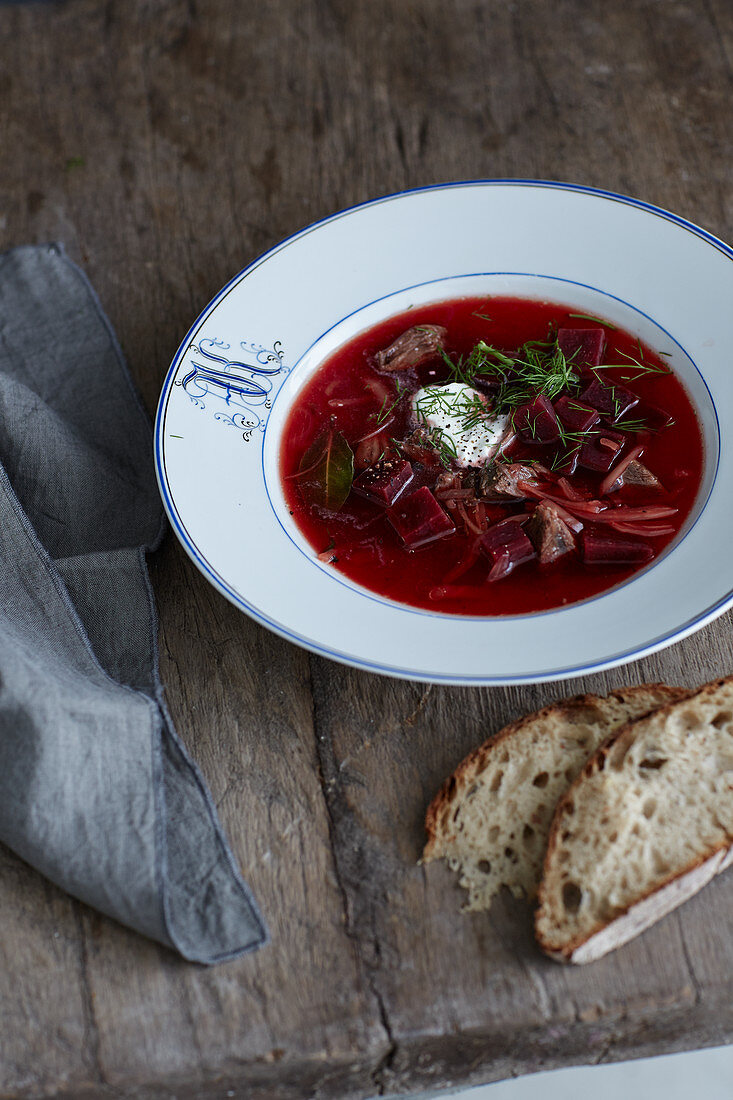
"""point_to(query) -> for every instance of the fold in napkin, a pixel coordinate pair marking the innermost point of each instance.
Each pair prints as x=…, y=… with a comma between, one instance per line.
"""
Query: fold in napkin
x=96, y=790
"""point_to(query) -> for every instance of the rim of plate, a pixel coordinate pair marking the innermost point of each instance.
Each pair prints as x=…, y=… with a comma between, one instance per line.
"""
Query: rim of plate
x=637, y=651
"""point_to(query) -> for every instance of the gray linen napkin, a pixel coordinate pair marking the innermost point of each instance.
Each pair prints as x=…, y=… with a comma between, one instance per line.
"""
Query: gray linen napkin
x=96, y=790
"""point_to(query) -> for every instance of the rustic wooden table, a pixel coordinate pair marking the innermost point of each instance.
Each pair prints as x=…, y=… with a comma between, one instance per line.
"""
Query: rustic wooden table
x=168, y=142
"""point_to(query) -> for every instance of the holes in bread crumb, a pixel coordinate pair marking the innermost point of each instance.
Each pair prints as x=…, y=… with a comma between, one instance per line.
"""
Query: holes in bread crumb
x=572, y=896
x=652, y=763
x=484, y=866
x=636, y=830
x=510, y=855
x=528, y=834
x=722, y=718
x=661, y=866
x=613, y=837
x=496, y=782
x=494, y=833
x=540, y=780
x=649, y=807
x=569, y=775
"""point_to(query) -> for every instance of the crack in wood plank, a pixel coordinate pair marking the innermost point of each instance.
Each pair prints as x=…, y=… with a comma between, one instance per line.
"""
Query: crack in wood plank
x=328, y=775
x=688, y=960
x=91, y=1052
x=412, y=717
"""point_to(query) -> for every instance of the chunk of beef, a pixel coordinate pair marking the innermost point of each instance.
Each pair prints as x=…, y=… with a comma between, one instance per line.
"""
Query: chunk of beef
x=549, y=533
x=637, y=474
x=373, y=449
x=456, y=487
x=500, y=481
x=413, y=348
x=419, y=447
x=448, y=481
x=583, y=347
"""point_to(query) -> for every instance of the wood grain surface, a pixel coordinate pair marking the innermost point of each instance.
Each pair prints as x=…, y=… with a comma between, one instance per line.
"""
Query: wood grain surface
x=167, y=143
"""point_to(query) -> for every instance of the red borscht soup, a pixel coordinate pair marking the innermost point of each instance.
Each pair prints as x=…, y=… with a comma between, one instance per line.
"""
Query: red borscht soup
x=492, y=456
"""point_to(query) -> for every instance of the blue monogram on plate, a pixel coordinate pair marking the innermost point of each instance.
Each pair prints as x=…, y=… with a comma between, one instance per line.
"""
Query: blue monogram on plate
x=244, y=385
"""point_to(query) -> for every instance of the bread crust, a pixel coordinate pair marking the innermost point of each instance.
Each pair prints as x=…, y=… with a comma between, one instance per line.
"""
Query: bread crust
x=583, y=950
x=464, y=774
x=566, y=951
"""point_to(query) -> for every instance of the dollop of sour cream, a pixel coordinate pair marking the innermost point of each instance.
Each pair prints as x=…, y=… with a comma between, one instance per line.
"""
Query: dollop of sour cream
x=464, y=420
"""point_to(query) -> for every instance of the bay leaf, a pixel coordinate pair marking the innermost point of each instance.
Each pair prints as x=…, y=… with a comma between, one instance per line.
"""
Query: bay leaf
x=326, y=471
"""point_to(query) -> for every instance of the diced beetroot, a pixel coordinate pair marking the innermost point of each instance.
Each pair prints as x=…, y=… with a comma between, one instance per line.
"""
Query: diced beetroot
x=419, y=519
x=612, y=402
x=604, y=549
x=584, y=347
x=576, y=416
x=567, y=461
x=506, y=546
x=654, y=418
x=600, y=451
x=536, y=422
x=384, y=482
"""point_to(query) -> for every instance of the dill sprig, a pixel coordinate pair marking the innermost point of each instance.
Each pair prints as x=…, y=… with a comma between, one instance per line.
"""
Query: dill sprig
x=633, y=424
x=571, y=442
x=539, y=366
x=386, y=411
x=643, y=367
x=590, y=317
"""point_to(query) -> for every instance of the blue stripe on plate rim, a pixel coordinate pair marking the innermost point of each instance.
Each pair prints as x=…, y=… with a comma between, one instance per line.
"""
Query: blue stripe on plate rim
x=679, y=632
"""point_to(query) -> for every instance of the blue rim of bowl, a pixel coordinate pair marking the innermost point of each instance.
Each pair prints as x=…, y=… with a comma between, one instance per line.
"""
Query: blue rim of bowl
x=677, y=634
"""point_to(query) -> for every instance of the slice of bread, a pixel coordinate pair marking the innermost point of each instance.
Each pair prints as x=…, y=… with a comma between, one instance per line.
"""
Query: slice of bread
x=648, y=822
x=492, y=817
